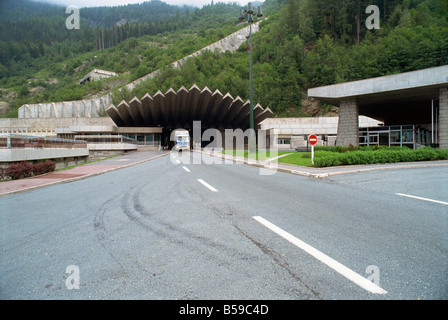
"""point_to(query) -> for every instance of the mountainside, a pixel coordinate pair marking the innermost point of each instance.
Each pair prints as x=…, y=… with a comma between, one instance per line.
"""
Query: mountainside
x=42, y=61
x=301, y=44
x=307, y=43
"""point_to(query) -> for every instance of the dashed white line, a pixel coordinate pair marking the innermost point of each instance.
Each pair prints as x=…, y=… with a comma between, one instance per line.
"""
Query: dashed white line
x=207, y=185
x=421, y=198
x=186, y=169
x=343, y=270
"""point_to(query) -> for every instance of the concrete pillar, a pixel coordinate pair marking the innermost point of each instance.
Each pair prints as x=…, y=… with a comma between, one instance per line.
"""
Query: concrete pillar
x=443, y=118
x=348, y=126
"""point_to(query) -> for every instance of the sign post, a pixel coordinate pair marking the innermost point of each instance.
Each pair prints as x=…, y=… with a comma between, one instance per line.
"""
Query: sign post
x=312, y=139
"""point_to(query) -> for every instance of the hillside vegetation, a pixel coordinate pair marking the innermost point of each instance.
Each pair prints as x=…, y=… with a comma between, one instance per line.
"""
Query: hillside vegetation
x=301, y=44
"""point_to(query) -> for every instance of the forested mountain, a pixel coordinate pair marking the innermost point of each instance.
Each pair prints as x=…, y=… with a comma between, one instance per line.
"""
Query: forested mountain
x=309, y=43
x=302, y=44
x=42, y=61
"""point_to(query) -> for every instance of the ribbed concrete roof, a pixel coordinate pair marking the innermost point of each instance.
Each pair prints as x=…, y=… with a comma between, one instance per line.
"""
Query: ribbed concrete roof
x=179, y=110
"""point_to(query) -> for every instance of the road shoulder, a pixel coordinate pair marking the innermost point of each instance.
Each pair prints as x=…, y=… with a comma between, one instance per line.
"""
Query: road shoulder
x=78, y=172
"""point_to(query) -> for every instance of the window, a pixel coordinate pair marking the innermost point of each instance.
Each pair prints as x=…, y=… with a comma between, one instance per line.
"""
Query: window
x=283, y=141
x=373, y=139
x=395, y=137
x=408, y=136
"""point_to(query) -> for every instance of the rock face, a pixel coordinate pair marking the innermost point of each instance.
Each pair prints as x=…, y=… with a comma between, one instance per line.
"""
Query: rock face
x=4, y=107
x=310, y=106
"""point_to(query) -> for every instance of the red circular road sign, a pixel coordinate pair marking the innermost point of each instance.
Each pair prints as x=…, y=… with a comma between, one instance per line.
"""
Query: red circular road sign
x=312, y=139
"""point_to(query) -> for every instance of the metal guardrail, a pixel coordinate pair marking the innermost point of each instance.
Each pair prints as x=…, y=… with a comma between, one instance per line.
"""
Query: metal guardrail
x=106, y=139
x=9, y=141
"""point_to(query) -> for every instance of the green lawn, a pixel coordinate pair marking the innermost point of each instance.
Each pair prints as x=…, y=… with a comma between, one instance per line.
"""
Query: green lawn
x=259, y=155
x=297, y=158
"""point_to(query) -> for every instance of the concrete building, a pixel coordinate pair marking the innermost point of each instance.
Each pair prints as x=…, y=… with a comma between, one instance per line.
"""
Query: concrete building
x=417, y=98
x=97, y=74
x=292, y=133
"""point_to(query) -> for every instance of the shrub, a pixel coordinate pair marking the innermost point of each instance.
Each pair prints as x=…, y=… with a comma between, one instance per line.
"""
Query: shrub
x=442, y=154
x=26, y=169
x=370, y=155
x=50, y=166
x=39, y=168
x=327, y=160
x=20, y=170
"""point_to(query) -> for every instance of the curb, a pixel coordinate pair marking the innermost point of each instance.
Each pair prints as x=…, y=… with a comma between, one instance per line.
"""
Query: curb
x=324, y=174
x=80, y=177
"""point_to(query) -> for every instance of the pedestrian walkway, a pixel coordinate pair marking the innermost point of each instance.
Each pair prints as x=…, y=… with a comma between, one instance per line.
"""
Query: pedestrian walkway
x=79, y=172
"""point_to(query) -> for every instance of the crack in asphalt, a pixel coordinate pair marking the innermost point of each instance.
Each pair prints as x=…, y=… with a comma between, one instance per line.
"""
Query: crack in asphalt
x=280, y=262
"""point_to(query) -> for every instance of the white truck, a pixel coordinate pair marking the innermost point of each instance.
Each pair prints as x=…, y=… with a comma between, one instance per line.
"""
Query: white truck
x=181, y=140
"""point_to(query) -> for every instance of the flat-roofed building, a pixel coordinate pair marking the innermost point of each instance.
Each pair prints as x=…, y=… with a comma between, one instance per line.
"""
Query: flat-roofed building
x=417, y=98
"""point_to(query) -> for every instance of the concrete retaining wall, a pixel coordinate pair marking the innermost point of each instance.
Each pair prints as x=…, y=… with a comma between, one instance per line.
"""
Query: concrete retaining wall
x=47, y=126
x=67, y=109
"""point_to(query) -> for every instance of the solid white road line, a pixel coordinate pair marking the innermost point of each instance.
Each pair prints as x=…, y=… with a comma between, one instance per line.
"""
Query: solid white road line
x=421, y=198
x=343, y=270
x=186, y=169
x=207, y=185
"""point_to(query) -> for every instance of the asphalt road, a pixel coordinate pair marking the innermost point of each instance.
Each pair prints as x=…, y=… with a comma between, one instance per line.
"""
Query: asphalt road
x=168, y=230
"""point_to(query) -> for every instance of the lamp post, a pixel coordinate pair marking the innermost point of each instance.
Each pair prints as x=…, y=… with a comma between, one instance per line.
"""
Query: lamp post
x=250, y=14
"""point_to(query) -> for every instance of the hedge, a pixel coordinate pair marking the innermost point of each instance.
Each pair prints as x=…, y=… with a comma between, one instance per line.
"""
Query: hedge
x=380, y=155
x=26, y=169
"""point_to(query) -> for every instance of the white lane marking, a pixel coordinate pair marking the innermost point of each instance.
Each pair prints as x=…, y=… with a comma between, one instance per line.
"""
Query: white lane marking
x=186, y=169
x=421, y=198
x=343, y=270
x=177, y=161
x=207, y=185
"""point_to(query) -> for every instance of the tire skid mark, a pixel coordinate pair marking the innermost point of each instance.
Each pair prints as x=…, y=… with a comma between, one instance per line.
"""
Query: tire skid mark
x=101, y=232
x=152, y=222
x=203, y=240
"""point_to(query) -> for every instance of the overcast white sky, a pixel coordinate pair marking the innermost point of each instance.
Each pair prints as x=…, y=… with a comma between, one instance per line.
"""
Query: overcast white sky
x=95, y=3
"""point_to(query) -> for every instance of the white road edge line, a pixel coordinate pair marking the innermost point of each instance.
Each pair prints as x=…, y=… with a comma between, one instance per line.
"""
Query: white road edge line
x=207, y=185
x=421, y=198
x=343, y=270
x=186, y=169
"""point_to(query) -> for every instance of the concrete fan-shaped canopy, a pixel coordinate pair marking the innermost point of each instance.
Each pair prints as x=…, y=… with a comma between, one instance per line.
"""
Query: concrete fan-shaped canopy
x=179, y=109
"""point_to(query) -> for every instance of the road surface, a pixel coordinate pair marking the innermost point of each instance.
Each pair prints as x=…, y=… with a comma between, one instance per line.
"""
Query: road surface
x=173, y=229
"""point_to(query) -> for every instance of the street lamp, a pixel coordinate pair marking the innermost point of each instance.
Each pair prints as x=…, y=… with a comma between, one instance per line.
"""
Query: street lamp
x=250, y=19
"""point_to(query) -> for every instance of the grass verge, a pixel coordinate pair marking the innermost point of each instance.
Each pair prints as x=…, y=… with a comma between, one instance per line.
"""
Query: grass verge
x=259, y=155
